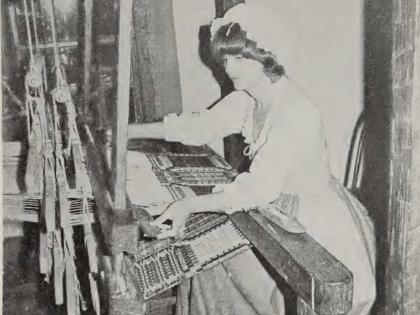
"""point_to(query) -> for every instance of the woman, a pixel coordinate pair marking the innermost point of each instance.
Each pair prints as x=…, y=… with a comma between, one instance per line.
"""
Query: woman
x=286, y=143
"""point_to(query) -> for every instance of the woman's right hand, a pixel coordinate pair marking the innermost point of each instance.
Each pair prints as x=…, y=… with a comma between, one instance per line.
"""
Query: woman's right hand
x=178, y=214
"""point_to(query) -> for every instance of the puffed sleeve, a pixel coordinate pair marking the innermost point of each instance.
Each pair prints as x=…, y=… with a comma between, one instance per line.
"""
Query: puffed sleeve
x=225, y=118
x=274, y=166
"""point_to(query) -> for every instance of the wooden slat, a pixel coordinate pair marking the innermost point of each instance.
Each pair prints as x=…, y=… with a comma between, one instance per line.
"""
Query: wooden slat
x=323, y=282
x=103, y=40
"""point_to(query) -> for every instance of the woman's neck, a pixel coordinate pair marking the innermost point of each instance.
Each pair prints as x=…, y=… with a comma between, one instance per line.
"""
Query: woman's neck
x=266, y=93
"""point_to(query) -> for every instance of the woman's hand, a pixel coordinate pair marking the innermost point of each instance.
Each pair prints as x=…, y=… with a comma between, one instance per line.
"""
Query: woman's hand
x=178, y=213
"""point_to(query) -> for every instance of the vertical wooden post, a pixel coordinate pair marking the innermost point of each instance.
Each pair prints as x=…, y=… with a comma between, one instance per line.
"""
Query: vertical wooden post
x=156, y=81
x=403, y=272
x=122, y=109
x=87, y=54
x=119, y=149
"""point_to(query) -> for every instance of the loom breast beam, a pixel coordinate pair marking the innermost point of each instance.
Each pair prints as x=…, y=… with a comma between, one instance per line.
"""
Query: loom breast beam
x=318, y=278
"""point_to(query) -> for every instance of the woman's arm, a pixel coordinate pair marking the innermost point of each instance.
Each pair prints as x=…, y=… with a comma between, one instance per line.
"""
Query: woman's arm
x=153, y=130
x=225, y=118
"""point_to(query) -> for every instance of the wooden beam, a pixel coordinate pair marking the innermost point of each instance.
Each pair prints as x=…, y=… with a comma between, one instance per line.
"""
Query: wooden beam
x=156, y=81
x=106, y=40
x=122, y=109
x=319, y=279
x=403, y=273
x=87, y=61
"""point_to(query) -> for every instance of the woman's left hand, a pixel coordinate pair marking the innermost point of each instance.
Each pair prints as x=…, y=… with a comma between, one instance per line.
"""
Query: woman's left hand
x=178, y=214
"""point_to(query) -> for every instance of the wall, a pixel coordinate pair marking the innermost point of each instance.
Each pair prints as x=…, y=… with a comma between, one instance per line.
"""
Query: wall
x=327, y=61
x=198, y=86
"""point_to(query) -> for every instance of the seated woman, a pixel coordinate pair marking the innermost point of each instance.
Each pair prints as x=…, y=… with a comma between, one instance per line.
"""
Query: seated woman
x=286, y=143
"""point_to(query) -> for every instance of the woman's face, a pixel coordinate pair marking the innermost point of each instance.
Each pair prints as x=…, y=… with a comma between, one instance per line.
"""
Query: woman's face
x=243, y=72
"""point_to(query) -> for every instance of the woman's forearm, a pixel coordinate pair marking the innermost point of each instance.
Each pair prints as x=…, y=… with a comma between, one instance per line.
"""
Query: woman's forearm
x=215, y=202
x=153, y=130
x=211, y=202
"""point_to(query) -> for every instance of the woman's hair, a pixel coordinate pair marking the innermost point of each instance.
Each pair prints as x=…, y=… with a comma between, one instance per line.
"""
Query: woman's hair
x=230, y=39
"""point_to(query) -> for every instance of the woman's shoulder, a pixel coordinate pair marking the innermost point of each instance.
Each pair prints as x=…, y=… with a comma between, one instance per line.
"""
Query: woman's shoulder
x=299, y=110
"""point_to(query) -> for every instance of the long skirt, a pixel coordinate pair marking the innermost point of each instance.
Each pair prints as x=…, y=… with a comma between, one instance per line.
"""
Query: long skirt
x=334, y=218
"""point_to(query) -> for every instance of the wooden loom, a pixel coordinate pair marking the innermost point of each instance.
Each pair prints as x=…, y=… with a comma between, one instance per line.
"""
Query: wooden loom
x=319, y=289
x=52, y=197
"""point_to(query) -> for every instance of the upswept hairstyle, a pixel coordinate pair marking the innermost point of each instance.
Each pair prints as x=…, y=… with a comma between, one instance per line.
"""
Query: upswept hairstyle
x=230, y=39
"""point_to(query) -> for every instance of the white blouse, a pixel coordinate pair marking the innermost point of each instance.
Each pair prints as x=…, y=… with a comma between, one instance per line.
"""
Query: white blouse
x=288, y=153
